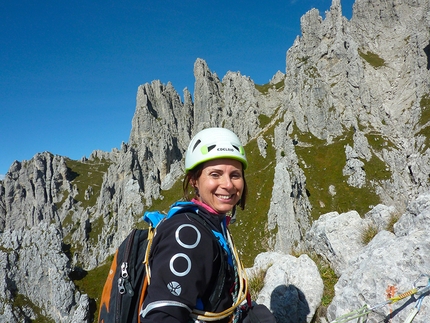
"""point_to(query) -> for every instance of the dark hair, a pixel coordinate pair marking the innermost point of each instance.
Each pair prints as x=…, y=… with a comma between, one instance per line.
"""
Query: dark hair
x=194, y=174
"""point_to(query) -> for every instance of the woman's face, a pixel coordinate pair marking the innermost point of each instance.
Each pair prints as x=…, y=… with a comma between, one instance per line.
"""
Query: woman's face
x=221, y=184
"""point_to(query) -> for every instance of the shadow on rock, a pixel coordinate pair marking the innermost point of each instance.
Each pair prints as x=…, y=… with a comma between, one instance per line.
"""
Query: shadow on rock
x=289, y=304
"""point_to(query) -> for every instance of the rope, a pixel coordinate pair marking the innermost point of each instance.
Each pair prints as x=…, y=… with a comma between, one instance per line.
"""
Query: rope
x=415, y=310
x=240, y=292
x=241, y=288
x=363, y=311
x=352, y=315
x=151, y=233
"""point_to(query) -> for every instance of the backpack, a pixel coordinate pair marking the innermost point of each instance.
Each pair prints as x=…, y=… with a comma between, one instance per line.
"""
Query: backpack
x=125, y=287
x=126, y=280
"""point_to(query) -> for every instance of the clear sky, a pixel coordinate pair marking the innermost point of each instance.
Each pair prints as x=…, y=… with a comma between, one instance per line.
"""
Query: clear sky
x=69, y=70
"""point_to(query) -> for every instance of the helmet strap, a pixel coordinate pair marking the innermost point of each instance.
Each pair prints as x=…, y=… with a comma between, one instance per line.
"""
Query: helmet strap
x=233, y=215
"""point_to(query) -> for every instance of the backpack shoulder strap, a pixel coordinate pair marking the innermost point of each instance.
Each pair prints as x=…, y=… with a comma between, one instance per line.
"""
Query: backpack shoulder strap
x=154, y=218
x=182, y=207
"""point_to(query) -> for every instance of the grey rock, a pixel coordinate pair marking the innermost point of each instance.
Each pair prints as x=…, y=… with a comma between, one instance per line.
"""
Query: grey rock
x=337, y=238
x=389, y=265
x=278, y=77
x=281, y=212
x=262, y=145
x=355, y=172
x=38, y=269
x=381, y=216
x=292, y=286
x=32, y=189
x=82, y=312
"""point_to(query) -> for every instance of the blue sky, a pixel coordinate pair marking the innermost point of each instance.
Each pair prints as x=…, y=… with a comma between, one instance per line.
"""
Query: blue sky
x=69, y=70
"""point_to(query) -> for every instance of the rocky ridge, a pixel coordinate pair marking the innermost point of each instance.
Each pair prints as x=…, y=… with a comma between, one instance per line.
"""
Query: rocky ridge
x=347, y=126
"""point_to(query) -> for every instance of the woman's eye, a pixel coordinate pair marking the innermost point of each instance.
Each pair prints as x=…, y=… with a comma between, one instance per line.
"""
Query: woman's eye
x=235, y=176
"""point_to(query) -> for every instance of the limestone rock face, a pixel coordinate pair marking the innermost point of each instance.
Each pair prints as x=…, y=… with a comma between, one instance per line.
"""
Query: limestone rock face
x=357, y=74
x=234, y=103
x=31, y=189
x=389, y=265
x=337, y=237
x=34, y=265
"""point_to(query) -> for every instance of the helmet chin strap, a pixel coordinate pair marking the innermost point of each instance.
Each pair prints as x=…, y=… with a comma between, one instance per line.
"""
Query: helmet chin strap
x=233, y=215
x=196, y=191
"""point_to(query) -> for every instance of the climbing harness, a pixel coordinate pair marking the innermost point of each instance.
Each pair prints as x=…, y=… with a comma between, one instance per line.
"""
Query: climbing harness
x=419, y=291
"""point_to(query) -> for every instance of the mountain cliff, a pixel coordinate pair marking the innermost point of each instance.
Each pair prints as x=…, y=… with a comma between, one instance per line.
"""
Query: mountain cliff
x=344, y=129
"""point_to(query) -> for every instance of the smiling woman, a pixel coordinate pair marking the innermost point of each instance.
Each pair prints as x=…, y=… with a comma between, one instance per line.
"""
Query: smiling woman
x=187, y=259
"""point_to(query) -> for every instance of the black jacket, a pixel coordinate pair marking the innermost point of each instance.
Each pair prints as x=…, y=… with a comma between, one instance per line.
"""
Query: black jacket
x=185, y=264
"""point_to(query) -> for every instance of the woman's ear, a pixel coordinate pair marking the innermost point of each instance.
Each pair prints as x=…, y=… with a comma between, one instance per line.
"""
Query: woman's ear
x=194, y=184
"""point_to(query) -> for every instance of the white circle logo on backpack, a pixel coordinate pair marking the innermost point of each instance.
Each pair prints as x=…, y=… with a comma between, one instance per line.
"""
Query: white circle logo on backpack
x=175, y=288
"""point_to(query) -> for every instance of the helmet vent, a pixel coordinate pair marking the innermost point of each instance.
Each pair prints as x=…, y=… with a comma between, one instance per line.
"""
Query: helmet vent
x=196, y=144
x=211, y=147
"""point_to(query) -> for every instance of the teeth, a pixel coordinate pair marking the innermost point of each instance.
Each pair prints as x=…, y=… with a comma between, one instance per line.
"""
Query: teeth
x=224, y=197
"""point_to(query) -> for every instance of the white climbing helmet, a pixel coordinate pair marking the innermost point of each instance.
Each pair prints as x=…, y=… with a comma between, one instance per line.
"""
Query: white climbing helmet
x=214, y=143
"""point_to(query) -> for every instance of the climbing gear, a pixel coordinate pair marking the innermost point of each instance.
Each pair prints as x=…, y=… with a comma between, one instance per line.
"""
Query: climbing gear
x=214, y=143
x=129, y=275
x=241, y=286
x=421, y=293
x=361, y=313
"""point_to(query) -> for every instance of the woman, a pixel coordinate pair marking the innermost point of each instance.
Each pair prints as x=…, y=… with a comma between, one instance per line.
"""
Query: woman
x=191, y=275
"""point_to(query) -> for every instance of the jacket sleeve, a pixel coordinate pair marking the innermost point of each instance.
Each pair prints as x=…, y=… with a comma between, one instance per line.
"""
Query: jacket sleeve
x=182, y=270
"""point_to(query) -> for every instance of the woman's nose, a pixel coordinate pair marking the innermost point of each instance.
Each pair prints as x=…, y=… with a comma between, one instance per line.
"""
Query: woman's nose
x=226, y=182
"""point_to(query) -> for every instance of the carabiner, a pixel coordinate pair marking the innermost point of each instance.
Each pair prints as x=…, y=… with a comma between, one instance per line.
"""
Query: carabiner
x=423, y=288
